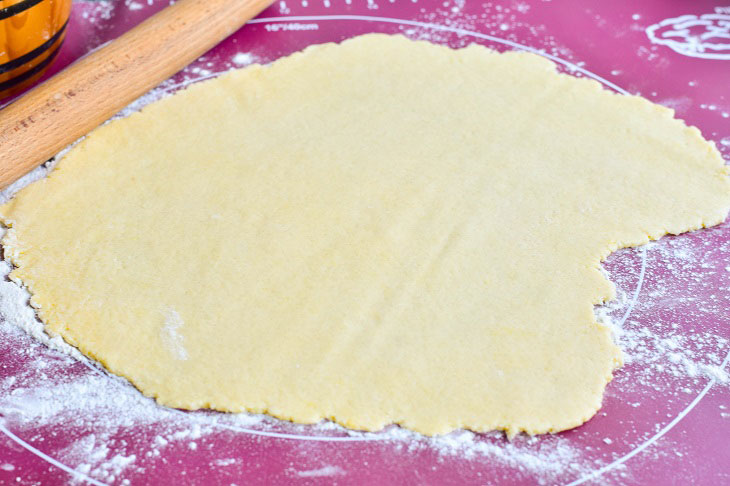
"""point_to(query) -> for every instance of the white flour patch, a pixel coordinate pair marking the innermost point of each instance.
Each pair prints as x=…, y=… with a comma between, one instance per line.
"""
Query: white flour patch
x=325, y=471
x=547, y=458
x=679, y=104
x=7, y=467
x=224, y=462
x=243, y=59
x=171, y=337
x=133, y=5
x=94, y=456
x=14, y=309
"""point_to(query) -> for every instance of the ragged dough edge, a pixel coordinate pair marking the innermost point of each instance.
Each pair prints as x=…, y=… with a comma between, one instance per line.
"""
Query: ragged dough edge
x=14, y=254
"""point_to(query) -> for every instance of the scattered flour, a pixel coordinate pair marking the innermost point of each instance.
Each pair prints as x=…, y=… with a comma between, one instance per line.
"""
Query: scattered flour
x=321, y=472
x=15, y=310
x=133, y=5
x=505, y=22
x=243, y=59
x=224, y=462
x=95, y=455
x=98, y=11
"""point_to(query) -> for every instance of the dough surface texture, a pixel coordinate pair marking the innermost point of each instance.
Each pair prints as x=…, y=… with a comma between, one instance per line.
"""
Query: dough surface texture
x=380, y=231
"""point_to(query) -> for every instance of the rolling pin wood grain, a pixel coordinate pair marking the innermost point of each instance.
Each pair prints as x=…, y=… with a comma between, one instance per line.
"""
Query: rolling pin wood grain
x=37, y=126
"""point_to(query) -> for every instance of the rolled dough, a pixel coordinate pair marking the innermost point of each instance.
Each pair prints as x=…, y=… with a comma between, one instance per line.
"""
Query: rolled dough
x=381, y=231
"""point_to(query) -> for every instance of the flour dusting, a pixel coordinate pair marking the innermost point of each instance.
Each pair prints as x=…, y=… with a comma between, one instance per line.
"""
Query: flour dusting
x=321, y=472
x=171, y=337
x=243, y=59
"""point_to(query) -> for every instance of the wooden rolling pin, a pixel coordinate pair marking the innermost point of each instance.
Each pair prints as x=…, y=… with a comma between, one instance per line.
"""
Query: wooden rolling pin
x=37, y=126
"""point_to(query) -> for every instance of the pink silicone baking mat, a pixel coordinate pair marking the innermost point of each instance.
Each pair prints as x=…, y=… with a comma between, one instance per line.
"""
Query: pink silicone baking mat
x=666, y=415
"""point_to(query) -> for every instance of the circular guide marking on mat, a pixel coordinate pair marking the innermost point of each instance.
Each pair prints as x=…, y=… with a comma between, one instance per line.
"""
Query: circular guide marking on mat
x=572, y=67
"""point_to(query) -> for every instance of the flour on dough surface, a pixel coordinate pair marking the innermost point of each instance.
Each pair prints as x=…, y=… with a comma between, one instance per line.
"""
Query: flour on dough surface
x=390, y=232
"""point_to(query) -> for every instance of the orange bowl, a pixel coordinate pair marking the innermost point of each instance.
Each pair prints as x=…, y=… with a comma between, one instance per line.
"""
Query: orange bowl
x=31, y=33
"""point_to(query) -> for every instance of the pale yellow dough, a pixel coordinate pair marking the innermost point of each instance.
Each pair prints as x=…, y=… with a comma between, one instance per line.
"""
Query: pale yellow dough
x=382, y=231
